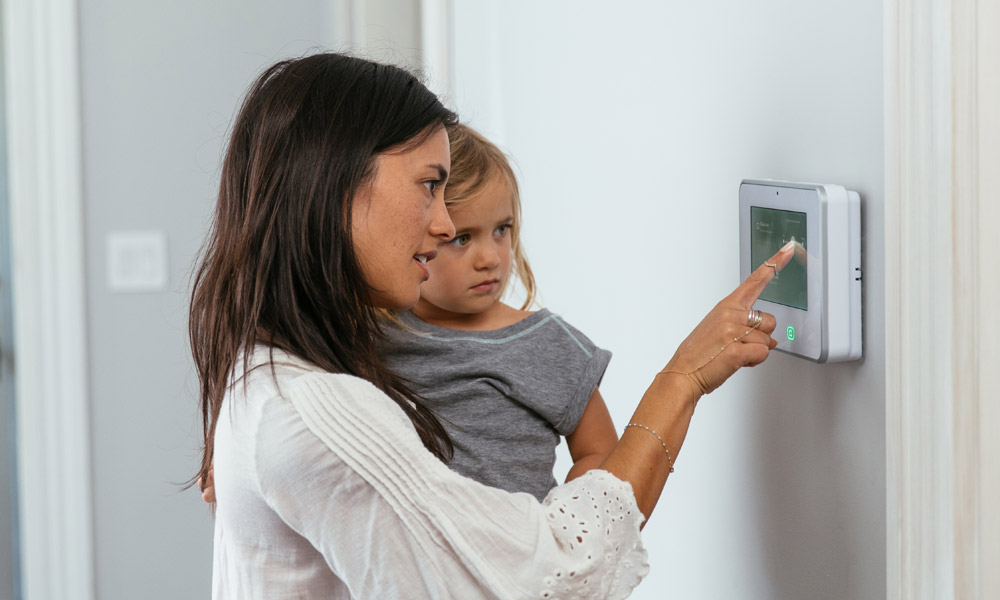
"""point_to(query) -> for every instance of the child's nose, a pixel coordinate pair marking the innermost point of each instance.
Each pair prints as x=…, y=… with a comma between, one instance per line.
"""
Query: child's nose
x=488, y=259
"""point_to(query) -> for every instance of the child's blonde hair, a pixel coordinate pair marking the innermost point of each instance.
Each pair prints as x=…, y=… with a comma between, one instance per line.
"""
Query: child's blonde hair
x=475, y=162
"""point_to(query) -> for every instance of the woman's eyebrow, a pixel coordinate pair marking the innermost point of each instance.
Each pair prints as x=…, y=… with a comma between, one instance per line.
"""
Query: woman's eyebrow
x=442, y=172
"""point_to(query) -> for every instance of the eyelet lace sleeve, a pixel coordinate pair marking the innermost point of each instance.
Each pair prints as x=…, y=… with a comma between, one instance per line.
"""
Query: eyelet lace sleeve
x=596, y=522
x=437, y=534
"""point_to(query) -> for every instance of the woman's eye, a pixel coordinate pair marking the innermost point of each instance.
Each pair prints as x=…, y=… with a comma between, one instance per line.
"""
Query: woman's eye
x=432, y=185
x=459, y=240
x=502, y=230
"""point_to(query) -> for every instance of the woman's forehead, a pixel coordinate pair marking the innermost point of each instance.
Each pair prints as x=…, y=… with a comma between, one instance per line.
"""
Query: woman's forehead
x=431, y=147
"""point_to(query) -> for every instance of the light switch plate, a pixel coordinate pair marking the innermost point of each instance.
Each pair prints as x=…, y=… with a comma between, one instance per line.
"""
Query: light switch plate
x=137, y=261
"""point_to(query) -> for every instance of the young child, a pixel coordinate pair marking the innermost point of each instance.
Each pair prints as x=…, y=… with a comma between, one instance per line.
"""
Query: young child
x=505, y=383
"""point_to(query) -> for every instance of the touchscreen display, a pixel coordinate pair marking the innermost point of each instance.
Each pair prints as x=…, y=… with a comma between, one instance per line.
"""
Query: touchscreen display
x=770, y=229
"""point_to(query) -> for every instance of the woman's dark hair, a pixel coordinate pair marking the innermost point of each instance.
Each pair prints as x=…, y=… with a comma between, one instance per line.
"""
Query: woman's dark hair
x=279, y=266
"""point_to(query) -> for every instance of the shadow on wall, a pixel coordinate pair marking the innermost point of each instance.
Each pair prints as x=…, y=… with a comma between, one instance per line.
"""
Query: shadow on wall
x=811, y=479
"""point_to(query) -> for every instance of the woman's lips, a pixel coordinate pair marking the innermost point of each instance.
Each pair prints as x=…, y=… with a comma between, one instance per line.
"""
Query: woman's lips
x=423, y=268
x=422, y=259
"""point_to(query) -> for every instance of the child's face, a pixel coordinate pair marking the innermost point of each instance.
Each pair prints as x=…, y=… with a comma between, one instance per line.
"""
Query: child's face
x=471, y=270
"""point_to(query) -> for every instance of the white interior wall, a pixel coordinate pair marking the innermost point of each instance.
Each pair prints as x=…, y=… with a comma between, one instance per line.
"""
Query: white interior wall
x=632, y=129
x=780, y=490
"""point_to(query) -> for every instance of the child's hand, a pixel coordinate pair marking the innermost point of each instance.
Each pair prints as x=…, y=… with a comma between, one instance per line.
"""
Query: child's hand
x=207, y=487
x=725, y=341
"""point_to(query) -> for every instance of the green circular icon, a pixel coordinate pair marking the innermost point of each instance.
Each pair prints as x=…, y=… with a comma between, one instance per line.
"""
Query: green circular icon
x=790, y=332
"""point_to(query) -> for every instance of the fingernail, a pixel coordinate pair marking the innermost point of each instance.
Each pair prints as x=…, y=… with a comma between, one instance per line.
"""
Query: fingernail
x=788, y=246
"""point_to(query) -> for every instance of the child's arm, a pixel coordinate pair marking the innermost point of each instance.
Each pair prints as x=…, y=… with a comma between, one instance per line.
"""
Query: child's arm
x=594, y=437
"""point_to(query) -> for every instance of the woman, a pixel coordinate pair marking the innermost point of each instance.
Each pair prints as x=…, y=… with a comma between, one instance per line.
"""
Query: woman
x=330, y=479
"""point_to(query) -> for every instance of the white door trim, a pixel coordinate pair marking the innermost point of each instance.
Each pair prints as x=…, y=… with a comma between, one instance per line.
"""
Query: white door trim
x=436, y=48
x=942, y=144
x=47, y=263
x=987, y=142
x=977, y=369
x=918, y=240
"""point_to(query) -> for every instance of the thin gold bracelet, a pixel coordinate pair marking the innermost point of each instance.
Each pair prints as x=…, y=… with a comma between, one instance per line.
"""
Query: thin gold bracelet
x=670, y=461
x=690, y=374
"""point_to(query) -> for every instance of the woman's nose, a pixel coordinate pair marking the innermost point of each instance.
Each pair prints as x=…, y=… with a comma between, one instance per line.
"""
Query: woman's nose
x=441, y=226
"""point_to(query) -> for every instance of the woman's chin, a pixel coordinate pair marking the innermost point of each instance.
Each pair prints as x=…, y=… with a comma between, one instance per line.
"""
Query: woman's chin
x=396, y=301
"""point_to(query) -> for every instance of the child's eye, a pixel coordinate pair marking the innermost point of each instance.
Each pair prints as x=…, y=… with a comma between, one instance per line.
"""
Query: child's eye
x=460, y=240
x=502, y=230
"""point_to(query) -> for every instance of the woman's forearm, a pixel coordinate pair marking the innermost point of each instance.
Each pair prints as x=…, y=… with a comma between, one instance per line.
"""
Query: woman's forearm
x=729, y=338
x=640, y=458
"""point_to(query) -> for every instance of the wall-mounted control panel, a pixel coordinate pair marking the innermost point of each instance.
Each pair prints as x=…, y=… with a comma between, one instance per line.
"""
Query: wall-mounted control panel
x=816, y=298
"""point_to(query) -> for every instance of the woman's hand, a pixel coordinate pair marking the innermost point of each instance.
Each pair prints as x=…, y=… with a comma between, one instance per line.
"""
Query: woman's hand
x=720, y=345
x=208, y=487
x=725, y=340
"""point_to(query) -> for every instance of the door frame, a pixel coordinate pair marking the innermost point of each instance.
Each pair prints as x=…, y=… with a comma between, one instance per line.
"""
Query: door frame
x=48, y=278
x=942, y=145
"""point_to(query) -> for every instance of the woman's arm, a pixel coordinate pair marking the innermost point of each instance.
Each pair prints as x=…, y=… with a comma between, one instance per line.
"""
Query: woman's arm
x=589, y=444
x=718, y=347
x=593, y=439
x=342, y=466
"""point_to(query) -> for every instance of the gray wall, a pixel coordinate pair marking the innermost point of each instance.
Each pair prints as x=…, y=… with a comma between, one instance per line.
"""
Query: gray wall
x=633, y=127
x=9, y=553
x=161, y=82
x=160, y=85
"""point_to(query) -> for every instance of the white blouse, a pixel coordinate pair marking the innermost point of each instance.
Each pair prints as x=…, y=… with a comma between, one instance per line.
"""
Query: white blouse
x=325, y=491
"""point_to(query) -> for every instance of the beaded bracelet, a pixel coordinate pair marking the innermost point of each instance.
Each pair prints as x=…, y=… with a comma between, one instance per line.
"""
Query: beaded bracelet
x=670, y=461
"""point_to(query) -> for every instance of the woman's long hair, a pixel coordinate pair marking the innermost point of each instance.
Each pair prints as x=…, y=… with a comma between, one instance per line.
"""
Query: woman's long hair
x=279, y=265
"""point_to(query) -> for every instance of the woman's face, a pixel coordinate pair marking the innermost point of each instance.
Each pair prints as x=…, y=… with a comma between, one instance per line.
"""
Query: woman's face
x=399, y=220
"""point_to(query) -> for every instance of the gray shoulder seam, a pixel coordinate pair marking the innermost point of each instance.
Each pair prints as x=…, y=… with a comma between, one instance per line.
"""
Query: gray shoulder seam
x=566, y=328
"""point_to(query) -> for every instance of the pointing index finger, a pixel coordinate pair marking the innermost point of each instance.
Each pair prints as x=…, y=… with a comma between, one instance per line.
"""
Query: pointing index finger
x=748, y=291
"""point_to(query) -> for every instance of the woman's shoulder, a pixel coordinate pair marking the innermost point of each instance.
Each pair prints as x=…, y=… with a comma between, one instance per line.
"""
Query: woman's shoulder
x=339, y=408
x=291, y=375
x=341, y=387
x=329, y=404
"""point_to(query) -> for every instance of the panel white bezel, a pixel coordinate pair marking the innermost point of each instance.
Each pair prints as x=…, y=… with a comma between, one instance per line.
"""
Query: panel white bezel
x=803, y=198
